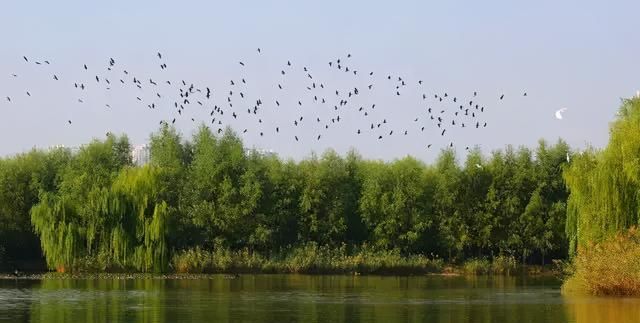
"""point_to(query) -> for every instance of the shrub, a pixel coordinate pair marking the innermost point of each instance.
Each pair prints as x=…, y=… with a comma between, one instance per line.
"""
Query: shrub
x=504, y=265
x=477, y=266
x=611, y=267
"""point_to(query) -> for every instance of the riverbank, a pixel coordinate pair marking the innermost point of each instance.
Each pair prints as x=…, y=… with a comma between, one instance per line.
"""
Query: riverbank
x=447, y=271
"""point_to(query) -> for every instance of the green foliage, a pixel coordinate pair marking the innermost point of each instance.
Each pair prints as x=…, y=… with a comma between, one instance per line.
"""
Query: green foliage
x=500, y=265
x=307, y=258
x=21, y=180
x=477, y=266
x=208, y=204
x=605, y=185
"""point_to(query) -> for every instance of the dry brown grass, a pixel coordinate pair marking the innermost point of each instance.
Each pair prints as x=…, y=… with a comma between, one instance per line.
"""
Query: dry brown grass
x=611, y=267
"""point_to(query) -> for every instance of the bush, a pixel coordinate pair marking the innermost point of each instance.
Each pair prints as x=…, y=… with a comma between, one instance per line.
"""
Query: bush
x=477, y=266
x=504, y=265
x=611, y=267
x=308, y=258
x=501, y=265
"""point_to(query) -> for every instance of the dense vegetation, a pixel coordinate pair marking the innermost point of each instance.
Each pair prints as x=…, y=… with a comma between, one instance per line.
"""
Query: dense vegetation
x=603, y=210
x=95, y=210
x=605, y=185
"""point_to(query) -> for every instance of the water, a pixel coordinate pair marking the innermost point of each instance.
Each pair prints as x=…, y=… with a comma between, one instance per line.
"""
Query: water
x=299, y=298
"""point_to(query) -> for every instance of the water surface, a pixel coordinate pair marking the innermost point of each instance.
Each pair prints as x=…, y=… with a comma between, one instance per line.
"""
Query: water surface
x=299, y=298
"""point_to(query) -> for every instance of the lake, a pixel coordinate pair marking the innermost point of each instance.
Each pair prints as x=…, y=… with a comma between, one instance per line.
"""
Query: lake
x=301, y=298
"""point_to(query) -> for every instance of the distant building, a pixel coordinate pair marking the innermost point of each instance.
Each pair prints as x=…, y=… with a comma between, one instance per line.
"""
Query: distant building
x=262, y=152
x=140, y=154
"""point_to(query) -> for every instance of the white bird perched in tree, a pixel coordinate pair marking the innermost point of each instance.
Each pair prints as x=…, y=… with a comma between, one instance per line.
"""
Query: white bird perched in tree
x=478, y=166
x=559, y=113
x=568, y=159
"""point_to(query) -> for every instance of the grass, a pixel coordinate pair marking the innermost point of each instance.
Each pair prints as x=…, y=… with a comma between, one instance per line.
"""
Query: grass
x=306, y=259
x=500, y=265
x=611, y=267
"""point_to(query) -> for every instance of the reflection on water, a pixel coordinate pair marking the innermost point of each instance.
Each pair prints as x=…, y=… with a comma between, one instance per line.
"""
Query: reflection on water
x=584, y=309
x=297, y=298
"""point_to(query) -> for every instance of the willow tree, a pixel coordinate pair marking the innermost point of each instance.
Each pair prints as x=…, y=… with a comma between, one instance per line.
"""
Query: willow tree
x=104, y=214
x=604, y=185
x=126, y=227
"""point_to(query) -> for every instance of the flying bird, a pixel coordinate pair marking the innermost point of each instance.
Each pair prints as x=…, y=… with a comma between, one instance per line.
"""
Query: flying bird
x=559, y=113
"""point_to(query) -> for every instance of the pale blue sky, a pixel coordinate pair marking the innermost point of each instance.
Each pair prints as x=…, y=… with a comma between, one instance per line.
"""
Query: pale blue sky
x=583, y=55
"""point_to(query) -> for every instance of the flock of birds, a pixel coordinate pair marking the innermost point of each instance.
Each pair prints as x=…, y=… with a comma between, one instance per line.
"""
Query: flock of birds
x=323, y=107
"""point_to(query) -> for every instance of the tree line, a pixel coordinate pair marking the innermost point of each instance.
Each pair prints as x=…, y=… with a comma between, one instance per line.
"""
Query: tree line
x=95, y=205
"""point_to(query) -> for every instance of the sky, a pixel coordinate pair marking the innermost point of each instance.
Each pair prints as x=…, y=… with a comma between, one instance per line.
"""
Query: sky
x=579, y=55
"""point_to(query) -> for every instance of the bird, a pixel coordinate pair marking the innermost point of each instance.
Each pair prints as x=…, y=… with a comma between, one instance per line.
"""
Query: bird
x=478, y=166
x=501, y=96
x=241, y=63
x=568, y=159
x=69, y=121
x=559, y=113
x=25, y=58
